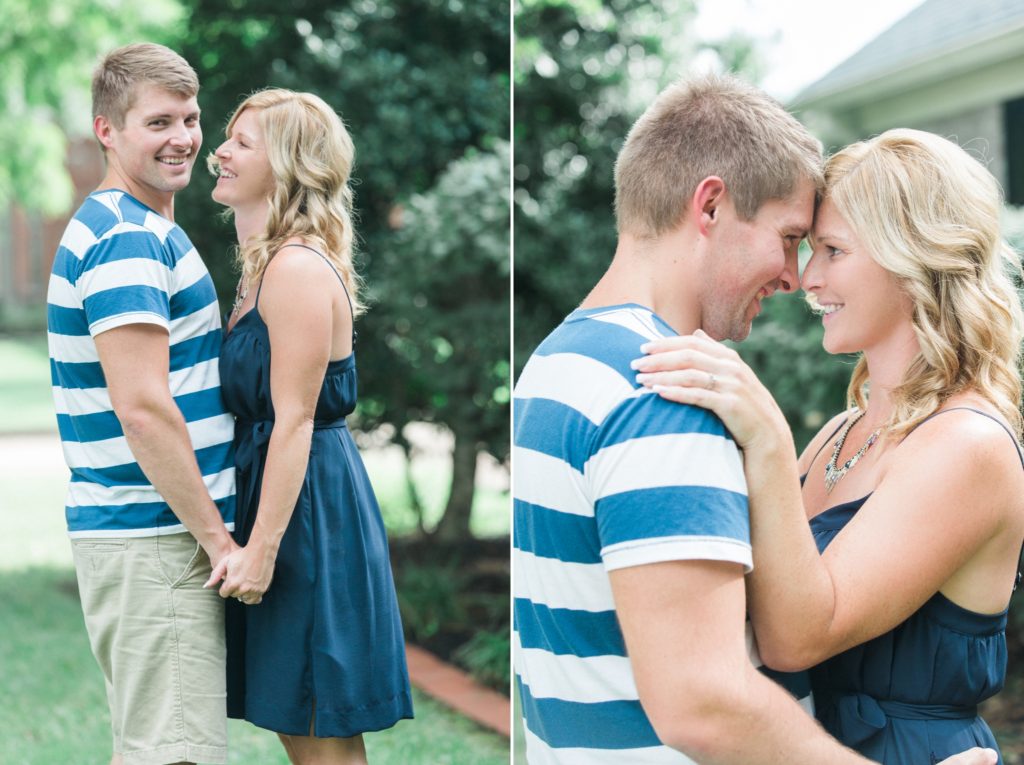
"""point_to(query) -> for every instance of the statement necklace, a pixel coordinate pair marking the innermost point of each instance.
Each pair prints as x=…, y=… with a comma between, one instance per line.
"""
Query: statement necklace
x=241, y=291
x=832, y=473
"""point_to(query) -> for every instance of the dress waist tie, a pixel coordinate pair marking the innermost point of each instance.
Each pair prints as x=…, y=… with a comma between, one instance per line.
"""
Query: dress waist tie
x=860, y=716
x=250, y=458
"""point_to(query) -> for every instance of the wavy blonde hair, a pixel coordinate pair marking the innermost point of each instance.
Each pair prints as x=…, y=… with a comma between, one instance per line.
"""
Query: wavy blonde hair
x=311, y=156
x=929, y=213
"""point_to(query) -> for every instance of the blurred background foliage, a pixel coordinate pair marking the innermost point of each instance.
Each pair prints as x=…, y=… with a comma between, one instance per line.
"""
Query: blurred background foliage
x=424, y=88
x=48, y=49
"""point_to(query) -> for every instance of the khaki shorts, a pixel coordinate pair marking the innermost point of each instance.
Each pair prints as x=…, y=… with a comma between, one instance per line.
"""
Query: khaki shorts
x=159, y=638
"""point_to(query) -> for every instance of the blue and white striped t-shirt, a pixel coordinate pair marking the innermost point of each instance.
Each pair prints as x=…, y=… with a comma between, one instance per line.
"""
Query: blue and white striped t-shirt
x=120, y=263
x=606, y=475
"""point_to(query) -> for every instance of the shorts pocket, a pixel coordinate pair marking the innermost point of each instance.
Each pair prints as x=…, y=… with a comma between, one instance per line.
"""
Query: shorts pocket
x=177, y=558
x=98, y=546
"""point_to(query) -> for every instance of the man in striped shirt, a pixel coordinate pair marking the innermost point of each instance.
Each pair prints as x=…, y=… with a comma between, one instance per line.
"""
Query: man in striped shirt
x=631, y=526
x=134, y=333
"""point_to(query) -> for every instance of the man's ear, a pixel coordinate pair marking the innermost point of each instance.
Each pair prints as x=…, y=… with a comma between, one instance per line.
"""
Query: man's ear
x=103, y=129
x=705, y=203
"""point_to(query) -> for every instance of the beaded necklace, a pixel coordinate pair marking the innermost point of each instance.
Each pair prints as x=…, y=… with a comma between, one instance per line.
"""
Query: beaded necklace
x=241, y=292
x=833, y=474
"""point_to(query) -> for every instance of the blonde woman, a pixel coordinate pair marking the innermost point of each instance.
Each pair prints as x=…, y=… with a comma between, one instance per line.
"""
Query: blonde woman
x=915, y=495
x=315, y=648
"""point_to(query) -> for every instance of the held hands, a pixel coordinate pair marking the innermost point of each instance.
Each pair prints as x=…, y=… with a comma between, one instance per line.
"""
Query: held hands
x=975, y=756
x=246, y=573
x=694, y=369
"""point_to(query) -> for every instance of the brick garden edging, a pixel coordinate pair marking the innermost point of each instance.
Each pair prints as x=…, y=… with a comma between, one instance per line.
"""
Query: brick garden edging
x=456, y=689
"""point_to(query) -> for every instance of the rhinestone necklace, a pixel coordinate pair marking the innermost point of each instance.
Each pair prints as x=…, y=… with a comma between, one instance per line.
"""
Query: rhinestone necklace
x=241, y=292
x=832, y=473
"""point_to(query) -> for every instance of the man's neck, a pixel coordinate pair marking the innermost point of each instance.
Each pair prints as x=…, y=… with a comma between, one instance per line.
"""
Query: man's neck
x=656, y=274
x=161, y=203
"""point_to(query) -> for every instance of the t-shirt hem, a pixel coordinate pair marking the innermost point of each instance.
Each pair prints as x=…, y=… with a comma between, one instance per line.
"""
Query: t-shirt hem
x=157, y=531
x=136, y=317
x=660, y=550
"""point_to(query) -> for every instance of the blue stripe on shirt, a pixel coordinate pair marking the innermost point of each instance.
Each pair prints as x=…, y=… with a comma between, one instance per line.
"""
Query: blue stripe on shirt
x=211, y=459
x=99, y=426
x=61, y=320
x=141, y=515
x=558, y=430
x=553, y=534
x=121, y=300
x=597, y=725
x=193, y=298
x=697, y=511
x=77, y=375
x=567, y=631
x=195, y=350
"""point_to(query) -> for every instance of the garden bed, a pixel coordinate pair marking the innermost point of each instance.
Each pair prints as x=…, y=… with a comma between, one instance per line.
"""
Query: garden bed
x=454, y=599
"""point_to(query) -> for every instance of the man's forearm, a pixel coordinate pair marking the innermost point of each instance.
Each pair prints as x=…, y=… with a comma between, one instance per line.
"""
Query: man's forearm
x=160, y=442
x=760, y=722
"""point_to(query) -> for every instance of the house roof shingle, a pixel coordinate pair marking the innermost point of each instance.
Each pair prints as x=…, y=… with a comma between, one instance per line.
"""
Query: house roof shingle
x=930, y=30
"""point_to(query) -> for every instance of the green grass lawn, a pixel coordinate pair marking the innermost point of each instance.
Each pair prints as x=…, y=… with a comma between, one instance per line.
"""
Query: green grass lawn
x=25, y=397
x=55, y=710
x=60, y=714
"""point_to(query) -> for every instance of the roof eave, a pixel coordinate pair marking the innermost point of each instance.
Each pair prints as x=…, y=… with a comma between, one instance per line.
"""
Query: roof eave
x=968, y=55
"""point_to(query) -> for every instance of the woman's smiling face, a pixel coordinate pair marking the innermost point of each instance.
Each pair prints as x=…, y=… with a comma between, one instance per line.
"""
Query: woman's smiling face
x=862, y=302
x=245, y=174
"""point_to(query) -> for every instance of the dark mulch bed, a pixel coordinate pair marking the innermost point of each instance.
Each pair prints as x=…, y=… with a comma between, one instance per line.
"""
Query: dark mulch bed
x=451, y=592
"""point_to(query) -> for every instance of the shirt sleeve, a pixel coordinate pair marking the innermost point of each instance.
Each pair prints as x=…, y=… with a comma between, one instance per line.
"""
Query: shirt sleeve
x=667, y=483
x=126, y=279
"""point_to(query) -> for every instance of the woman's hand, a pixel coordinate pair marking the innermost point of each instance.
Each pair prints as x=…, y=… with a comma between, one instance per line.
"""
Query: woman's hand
x=694, y=369
x=247, y=573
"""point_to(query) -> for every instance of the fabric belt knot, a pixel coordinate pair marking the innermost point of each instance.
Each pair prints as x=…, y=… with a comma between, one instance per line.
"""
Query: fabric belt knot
x=860, y=716
x=250, y=456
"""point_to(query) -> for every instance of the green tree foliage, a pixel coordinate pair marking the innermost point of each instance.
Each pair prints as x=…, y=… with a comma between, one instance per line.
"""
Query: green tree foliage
x=419, y=83
x=48, y=49
x=446, y=304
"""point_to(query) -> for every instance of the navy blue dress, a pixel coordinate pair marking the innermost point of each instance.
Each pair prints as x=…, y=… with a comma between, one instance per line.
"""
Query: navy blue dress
x=912, y=693
x=325, y=645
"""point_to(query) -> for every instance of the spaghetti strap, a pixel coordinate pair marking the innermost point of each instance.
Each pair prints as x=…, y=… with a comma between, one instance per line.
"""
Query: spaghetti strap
x=825, y=442
x=1016, y=444
x=348, y=297
x=821, y=449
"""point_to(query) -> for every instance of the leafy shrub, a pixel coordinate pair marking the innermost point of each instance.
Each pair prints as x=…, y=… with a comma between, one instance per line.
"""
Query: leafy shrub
x=429, y=597
x=486, y=656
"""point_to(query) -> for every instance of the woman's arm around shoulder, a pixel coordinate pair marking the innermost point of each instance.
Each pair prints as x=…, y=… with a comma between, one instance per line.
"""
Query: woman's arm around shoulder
x=947, y=516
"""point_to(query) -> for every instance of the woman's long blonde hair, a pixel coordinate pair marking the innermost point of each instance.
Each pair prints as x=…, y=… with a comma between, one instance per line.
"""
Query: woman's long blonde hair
x=311, y=156
x=929, y=213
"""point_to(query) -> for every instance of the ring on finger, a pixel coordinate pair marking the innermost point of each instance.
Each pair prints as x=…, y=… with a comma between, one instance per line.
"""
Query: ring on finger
x=711, y=381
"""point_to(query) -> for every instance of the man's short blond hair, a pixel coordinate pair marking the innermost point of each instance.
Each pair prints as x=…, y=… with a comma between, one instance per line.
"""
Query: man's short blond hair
x=711, y=125
x=122, y=70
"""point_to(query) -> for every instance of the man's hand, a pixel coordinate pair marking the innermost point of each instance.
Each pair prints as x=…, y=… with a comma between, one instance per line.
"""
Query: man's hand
x=975, y=756
x=246, y=573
